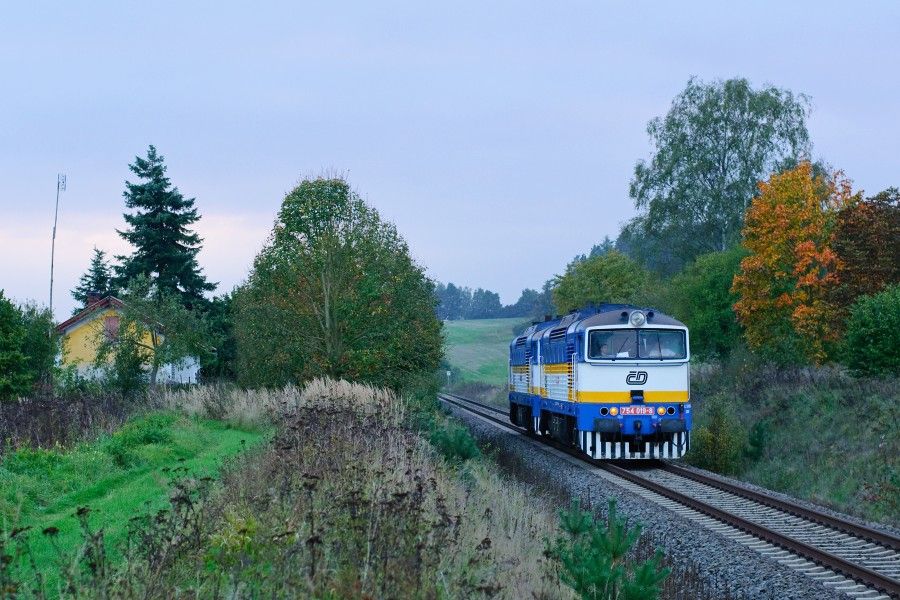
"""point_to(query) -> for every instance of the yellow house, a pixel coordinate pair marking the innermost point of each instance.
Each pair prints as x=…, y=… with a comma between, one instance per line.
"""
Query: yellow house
x=82, y=334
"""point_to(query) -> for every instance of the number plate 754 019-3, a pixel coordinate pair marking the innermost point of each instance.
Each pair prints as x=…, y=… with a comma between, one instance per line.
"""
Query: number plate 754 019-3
x=636, y=410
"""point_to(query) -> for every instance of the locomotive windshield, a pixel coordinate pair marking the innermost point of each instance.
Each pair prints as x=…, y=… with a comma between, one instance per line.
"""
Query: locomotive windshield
x=659, y=344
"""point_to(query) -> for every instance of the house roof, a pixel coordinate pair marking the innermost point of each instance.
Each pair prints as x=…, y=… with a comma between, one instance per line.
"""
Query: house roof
x=108, y=302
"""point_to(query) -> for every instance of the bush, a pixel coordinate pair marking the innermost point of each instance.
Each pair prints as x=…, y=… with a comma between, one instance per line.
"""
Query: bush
x=756, y=441
x=871, y=345
x=717, y=445
x=593, y=557
x=152, y=429
x=454, y=442
x=126, y=373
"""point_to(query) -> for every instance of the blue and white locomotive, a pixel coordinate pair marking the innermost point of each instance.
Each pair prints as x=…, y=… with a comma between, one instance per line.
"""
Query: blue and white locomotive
x=613, y=380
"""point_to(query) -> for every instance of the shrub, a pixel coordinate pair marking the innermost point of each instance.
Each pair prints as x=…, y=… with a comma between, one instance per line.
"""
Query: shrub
x=717, y=445
x=871, y=345
x=454, y=442
x=756, y=441
x=593, y=557
x=152, y=429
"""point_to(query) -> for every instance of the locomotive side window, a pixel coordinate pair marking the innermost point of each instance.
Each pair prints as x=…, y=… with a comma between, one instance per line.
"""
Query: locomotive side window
x=661, y=344
x=612, y=343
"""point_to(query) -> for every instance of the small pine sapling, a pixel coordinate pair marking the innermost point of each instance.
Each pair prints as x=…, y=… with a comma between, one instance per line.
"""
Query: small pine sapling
x=593, y=557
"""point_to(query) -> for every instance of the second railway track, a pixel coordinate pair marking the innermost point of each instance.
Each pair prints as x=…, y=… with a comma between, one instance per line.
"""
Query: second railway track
x=827, y=548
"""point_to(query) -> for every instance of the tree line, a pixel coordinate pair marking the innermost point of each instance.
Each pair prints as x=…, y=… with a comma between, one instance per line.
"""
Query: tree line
x=334, y=292
x=458, y=302
x=739, y=234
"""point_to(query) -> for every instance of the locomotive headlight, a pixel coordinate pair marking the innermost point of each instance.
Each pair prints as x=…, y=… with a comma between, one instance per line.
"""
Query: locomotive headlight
x=661, y=410
x=614, y=411
x=637, y=318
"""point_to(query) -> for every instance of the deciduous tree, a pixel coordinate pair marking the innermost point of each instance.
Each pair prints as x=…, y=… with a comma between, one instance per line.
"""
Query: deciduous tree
x=15, y=379
x=454, y=302
x=701, y=296
x=610, y=277
x=786, y=282
x=40, y=343
x=154, y=329
x=716, y=142
x=867, y=244
x=485, y=304
x=334, y=292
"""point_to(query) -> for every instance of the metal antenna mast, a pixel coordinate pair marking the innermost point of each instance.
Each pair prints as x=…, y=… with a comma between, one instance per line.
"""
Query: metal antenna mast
x=60, y=187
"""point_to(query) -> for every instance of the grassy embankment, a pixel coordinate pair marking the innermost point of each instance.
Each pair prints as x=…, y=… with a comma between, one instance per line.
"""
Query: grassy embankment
x=116, y=476
x=302, y=516
x=817, y=434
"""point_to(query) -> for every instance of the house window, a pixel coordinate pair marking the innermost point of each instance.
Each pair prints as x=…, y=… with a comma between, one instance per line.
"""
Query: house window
x=111, y=327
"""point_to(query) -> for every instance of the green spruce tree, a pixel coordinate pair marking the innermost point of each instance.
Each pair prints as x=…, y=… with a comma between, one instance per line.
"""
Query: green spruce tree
x=165, y=248
x=97, y=280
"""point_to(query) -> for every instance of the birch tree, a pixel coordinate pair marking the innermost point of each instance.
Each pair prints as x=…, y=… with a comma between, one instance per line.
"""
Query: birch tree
x=716, y=142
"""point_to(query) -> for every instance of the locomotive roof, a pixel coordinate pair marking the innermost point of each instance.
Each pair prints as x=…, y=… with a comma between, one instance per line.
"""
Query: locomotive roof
x=594, y=316
x=612, y=314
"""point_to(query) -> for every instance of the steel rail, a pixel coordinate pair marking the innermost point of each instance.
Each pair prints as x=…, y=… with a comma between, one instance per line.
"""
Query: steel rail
x=882, y=538
x=859, y=573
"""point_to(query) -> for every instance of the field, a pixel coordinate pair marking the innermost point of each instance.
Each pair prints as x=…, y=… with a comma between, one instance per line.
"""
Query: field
x=478, y=349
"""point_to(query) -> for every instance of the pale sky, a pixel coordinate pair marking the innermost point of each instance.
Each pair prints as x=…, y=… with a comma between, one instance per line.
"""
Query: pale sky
x=500, y=137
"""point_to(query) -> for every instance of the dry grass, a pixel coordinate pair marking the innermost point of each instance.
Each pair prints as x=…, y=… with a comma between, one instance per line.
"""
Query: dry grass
x=47, y=421
x=361, y=504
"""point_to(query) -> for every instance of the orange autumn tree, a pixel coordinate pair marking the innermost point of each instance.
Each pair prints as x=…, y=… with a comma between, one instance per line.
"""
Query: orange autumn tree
x=784, y=286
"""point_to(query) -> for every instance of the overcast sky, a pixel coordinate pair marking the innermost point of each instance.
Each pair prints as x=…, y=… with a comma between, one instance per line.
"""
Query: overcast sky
x=500, y=137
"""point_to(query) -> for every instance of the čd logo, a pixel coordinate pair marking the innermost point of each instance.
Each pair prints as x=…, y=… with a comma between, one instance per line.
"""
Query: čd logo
x=636, y=378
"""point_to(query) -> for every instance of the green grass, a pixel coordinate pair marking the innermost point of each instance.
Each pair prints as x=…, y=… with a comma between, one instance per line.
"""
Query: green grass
x=480, y=348
x=117, y=476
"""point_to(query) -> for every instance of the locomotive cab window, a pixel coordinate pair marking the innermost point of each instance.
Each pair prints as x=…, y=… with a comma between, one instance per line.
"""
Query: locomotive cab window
x=611, y=344
x=661, y=344
x=655, y=344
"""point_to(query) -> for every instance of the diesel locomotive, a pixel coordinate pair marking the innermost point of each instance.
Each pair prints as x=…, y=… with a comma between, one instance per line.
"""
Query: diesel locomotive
x=613, y=380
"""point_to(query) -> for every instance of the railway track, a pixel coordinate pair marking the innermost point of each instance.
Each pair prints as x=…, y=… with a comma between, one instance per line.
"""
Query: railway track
x=856, y=560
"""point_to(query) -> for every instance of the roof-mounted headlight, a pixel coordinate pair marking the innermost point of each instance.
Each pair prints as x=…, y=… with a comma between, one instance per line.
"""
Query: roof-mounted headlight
x=637, y=318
